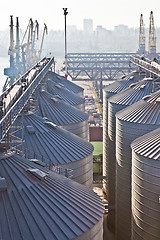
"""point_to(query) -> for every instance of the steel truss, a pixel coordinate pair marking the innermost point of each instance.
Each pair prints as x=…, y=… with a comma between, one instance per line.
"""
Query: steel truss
x=102, y=66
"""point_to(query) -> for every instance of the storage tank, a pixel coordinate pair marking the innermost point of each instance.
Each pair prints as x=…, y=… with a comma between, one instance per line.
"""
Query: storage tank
x=119, y=101
x=55, y=146
x=39, y=204
x=131, y=123
x=146, y=187
x=67, y=83
x=110, y=90
x=68, y=96
x=63, y=114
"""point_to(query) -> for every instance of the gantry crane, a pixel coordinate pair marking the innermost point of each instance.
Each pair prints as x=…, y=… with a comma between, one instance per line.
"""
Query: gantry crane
x=45, y=30
x=142, y=38
x=152, y=37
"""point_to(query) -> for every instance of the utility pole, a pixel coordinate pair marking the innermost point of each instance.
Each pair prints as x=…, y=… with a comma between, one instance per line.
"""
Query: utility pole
x=65, y=36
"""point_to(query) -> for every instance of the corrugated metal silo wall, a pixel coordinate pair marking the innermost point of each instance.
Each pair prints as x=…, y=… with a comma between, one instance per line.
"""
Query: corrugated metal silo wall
x=82, y=170
x=80, y=129
x=96, y=233
x=112, y=110
x=106, y=95
x=80, y=106
x=145, y=198
x=126, y=132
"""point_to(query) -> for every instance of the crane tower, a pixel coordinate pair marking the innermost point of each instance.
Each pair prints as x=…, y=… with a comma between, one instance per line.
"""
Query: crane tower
x=142, y=38
x=152, y=37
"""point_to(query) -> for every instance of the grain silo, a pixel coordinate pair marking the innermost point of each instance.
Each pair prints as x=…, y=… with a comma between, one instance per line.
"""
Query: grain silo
x=39, y=204
x=116, y=103
x=54, y=146
x=146, y=187
x=131, y=123
x=63, y=114
x=63, y=93
x=67, y=83
x=110, y=90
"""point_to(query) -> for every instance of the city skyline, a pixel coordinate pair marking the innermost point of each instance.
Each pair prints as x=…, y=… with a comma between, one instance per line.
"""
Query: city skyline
x=105, y=13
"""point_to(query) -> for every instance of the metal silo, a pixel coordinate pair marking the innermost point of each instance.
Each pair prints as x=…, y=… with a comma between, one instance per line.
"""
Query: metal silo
x=55, y=146
x=109, y=91
x=131, y=123
x=56, y=78
x=37, y=203
x=146, y=187
x=68, y=96
x=63, y=114
x=116, y=103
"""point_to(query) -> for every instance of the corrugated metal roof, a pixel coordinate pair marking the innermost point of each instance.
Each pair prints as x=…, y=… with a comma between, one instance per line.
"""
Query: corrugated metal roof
x=146, y=111
x=60, y=79
x=52, y=208
x=134, y=93
x=148, y=145
x=58, y=111
x=120, y=85
x=54, y=144
x=61, y=91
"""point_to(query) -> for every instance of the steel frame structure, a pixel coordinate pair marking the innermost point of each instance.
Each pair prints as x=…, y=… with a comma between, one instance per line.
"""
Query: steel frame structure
x=98, y=66
x=147, y=67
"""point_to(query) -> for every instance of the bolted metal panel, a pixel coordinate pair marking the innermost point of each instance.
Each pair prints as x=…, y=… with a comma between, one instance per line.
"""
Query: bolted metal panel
x=55, y=146
x=145, y=187
x=109, y=91
x=63, y=114
x=56, y=78
x=116, y=103
x=131, y=123
x=50, y=208
x=68, y=96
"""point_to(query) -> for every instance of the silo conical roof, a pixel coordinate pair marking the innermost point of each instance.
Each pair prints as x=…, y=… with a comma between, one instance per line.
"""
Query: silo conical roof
x=55, y=146
x=68, y=96
x=39, y=204
x=63, y=114
x=67, y=83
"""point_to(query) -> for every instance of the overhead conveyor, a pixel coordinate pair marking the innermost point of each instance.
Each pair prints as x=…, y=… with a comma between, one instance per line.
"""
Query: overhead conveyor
x=13, y=100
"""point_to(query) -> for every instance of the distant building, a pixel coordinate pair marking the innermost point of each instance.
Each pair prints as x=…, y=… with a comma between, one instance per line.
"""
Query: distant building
x=88, y=25
x=121, y=29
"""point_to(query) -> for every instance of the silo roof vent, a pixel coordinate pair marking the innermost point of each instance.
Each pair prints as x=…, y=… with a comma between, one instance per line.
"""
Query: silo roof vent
x=3, y=184
x=146, y=97
x=132, y=85
x=58, y=77
x=57, y=96
x=54, y=100
x=142, y=86
x=30, y=129
x=39, y=162
x=158, y=100
x=58, y=86
x=37, y=173
x=50, y=124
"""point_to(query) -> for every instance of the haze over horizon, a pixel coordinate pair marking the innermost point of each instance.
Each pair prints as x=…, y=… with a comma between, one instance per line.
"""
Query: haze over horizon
x=102, y=12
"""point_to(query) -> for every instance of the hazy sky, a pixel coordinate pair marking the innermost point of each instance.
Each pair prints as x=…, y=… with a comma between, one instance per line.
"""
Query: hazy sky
x=107, y=13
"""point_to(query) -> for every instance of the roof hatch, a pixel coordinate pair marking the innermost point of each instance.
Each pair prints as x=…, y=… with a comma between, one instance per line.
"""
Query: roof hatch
x=37, y=173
